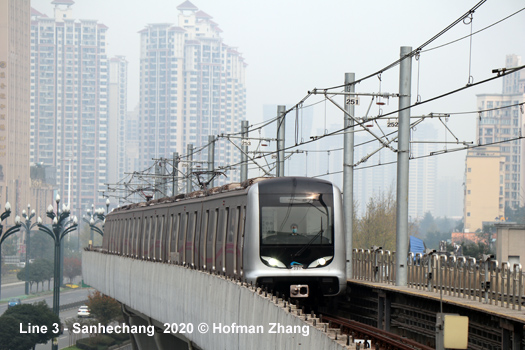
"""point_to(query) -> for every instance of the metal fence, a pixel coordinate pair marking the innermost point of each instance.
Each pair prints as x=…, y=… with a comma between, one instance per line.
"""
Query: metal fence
x=486, y=281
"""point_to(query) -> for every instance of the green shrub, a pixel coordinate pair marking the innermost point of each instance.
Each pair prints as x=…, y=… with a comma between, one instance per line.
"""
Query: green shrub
x=100, y=342
x=119, y=337
x=105, y=340
x=87, y=344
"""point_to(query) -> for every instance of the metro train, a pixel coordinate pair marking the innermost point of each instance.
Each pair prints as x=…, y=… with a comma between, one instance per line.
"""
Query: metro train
x=282, y=233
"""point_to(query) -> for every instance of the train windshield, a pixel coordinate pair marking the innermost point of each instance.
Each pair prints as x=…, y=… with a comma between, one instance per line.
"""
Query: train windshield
x=305, y=219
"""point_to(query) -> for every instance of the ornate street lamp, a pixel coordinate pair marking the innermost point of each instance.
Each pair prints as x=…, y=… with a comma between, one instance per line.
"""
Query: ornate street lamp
x=28, y=227
x=61, y=226
x=7, y=233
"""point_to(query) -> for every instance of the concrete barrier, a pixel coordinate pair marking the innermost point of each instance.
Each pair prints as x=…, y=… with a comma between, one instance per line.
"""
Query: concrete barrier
x=237, y=316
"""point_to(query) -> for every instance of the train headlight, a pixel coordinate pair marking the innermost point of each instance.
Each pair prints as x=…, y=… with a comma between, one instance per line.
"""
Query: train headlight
x=272, y=262
x=320, y=262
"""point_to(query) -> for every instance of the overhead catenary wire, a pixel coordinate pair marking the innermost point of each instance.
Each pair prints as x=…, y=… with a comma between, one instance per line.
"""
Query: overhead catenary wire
x=415, y=51
x=476, y=32
x=328, y=134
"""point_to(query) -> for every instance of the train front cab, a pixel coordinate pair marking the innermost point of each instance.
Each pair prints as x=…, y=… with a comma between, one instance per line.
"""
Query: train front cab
x=294, y=241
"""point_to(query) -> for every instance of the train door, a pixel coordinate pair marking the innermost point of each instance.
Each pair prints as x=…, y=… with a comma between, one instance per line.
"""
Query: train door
x=131, y=231
x=105, y=241
x=167, y=237
x=211, y=241
x=220, y=245
x=231, y=240
x=190, y=236
x=240, y=241
x=203, y=239
x=151, y=240
x=122, y=228
x=196, y=238
x=159, y=228
x=145, y=237
x=174, y=255
x=140, y=237
x=181, y=246
x=164, y=237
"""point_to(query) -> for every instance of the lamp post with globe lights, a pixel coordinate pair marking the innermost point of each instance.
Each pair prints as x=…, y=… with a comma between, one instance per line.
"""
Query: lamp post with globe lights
x=4, y=235
x=28, y=226
x=62, y=225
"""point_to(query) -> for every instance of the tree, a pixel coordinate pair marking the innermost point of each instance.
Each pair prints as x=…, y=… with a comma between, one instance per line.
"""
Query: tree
x=72, y=268
x=10, y=336
x=378, y=225
x=104, y=308
x=41, y=246
x=38, y=314
x=515, y=215
x=38, y=271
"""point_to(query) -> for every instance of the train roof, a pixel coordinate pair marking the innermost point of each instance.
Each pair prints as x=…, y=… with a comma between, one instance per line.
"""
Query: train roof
x=277, y=184
x=236, y=186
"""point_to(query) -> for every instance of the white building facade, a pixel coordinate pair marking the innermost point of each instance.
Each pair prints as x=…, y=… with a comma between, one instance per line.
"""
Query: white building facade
x=502, y=119
x=118, y=92
x=69, y=103
x=191, y=86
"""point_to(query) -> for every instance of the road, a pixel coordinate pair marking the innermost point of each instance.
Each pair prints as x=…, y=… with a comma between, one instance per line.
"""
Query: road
x=66, y=297
x=65, y=339
x=17, y=289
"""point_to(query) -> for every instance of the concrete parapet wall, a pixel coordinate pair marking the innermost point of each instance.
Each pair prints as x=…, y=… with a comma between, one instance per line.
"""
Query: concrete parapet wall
x=174, y=294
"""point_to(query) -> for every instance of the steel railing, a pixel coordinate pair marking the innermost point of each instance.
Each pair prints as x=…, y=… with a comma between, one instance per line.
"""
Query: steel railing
x=486, y=281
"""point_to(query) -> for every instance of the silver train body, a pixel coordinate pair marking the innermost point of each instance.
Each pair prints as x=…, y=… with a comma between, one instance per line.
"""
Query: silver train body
x=282, y=233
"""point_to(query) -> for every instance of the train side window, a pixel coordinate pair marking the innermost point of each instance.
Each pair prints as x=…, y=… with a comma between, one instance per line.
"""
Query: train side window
x=234, y=224
x=213, y=225
x=223, y=224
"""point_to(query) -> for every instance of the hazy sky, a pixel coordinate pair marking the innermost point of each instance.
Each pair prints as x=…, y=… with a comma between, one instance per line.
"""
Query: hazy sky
x=294, y=46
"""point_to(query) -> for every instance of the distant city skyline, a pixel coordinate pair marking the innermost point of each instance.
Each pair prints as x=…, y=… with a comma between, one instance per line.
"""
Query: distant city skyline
x=315, y=61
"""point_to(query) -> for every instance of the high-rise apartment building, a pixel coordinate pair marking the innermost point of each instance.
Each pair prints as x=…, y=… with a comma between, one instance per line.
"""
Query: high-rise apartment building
x=378, y=175
x=14, y=105
x=69, y=103
x=191, y=86
x=502, y=120
x=117, y=98
x=484, y=197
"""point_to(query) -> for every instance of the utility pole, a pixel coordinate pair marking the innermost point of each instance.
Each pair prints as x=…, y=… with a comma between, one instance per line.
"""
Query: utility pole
x=280, y=140
x=163, y=177
x=156, y=193
x=211, y=158
x=405, y=76
x=348, y=171
x=244, y=151
x=189, y=168
x=175, y=188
